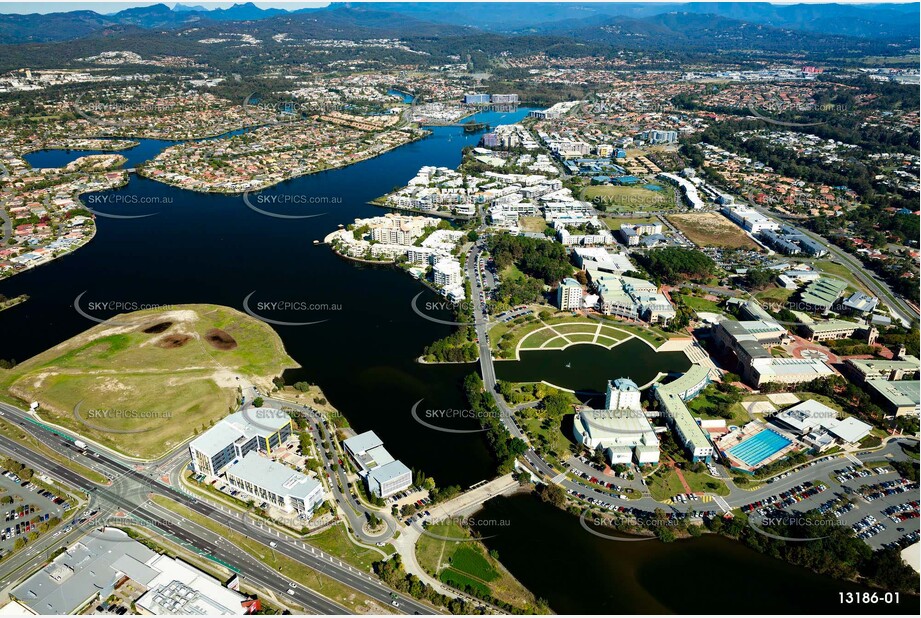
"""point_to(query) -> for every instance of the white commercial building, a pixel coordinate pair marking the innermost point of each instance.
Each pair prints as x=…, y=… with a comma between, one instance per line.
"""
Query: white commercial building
x=383, y=474
x=92, y=568
x=603, y=260
x=254, y=429
x=569, y=295
x=813, y=421
x=621, y=430
x=623, y=394
x=749, y=219
x=277, y=484
x=671, y=398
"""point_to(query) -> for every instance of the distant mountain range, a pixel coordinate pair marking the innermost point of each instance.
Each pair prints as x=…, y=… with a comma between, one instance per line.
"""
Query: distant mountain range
x=859, y=20
x=685, y=24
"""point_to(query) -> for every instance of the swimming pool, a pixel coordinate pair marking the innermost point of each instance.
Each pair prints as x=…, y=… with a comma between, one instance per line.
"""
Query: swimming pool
x=759, y=447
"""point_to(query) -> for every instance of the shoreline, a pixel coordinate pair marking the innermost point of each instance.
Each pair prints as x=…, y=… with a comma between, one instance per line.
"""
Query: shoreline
x=139, y=171
x=12, y=302
x=428, y=213
x=92, y=235
x=46, y=148
x=52, y=414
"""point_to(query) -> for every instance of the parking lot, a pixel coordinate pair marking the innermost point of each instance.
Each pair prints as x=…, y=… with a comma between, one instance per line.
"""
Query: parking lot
x=30, y=508
x=880, y=506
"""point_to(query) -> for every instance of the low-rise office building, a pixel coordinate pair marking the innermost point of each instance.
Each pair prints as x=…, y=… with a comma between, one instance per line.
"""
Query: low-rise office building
x=749, y=342
x=826, y=330
x=791, y=241
x=821, y=295
x=630, y=298
x=383, y=474
x=859, y=303
x=787, y=370
x=749, y=219
x=904, y=367
x=820, y=426
x=602, y=260
x=688, y=189
x=275, y=483
x=671, y=398
x=896, y=397
x=254, y=429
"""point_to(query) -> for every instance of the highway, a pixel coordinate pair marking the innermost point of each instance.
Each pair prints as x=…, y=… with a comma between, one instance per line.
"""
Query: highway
x=897, y=305
x=131, y=485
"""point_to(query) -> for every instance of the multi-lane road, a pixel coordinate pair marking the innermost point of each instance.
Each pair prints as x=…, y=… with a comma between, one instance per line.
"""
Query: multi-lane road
x=130, y=491
x=900, y=309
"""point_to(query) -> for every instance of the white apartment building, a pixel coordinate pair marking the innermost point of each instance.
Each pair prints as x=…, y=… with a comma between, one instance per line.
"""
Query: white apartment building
x=447, y=273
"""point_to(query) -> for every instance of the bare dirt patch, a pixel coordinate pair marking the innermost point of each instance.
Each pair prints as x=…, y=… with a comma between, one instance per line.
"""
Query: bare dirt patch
x=708, y=229
x=220, y=339
x=170, y=342
x=158, y=328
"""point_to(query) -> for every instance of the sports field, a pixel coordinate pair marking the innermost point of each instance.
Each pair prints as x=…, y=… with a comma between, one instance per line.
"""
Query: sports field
x=465, y=564
x=628, y=199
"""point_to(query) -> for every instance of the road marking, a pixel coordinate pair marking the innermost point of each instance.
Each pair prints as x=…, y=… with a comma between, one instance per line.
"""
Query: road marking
x=721, y=502
x=851, y=457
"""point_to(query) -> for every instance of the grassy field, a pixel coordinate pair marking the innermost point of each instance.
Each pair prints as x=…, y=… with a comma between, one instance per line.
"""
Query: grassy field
x=147, y=381
x=511, y=334
x=705, y=403
x=532, y=224
x=581, y=338
x=575, y=329
x=708, y=229
x=335, y=540
x=613, y=333
x=557, y=342
x=665, y=483
x=628, y=199
x=698, y=303
x=291, y=569
x=774, y=295
x=537, y=339
x=650, y=334
x=466, y=563
x=614, y=223
x=547, y=436
x=583, y=327
x=512, y=273
x=841, y=272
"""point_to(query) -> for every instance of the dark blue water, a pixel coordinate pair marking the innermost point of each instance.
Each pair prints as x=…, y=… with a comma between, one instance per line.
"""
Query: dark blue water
x=407, y=97
x=145, y=150
x=579, y=573
x=210, y=248
x=586, y=368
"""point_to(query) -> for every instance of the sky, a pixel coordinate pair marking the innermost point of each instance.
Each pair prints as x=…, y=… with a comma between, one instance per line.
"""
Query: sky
x=7, y=6
x=114, y=7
